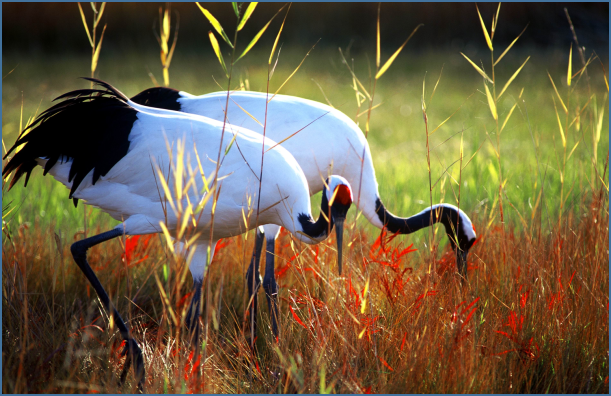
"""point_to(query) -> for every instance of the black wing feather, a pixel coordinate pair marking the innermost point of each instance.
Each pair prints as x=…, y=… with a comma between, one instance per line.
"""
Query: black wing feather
x=160, y=97
x=90, y=127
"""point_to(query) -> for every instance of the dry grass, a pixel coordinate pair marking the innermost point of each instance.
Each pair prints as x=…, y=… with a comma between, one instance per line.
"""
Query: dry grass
x=534, y=320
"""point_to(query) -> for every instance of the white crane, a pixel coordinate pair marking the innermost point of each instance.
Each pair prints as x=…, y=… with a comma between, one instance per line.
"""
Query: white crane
x=103, y=147
x=323, y=140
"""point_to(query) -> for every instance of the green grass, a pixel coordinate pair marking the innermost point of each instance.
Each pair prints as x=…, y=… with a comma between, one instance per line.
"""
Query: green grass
x=397, y=136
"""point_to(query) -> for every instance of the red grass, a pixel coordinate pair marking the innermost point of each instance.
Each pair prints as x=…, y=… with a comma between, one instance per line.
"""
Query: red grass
x=536, y=321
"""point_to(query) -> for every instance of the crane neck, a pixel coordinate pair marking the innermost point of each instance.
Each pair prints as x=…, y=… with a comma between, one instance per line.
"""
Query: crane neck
x=320, y=228
x=448, y=215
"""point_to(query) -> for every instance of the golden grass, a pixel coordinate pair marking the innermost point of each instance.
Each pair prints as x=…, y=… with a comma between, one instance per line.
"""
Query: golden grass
x=533, y=321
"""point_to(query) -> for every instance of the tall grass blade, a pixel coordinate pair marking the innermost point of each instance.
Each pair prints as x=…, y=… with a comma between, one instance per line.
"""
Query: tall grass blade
x=323, y=94
x=166, y=76
x=495, y=21
x=245, y=221
x=573, y=150
x=508, y=116
x=201, y=169
x=480, y=71
x=488, y=41
x=559, y=124
x=557, y=94
x=295, y=133
x=215, y=24
x=190, y=242
x=217, y=51
x=7, y=210
x=271, y=55
x=230, y=144
x=247, y=13
x=85, y=24
x=166, y=300
x=368, y=110
x=512, y=78
x=436, y=84
x=603, y=183
x=171, y=54
x=570, y=70
x=166, y=190
x=461, y=145
x=325, y=390
x=354, y=75
x=423, y=103
x=100, y=13
x=392, y=58
x=254, y=40
x=202, y=203
x=165, y=27
x=509, y=47
x=473, y=156
x=491, y=102
x=245, y=111
x=235, y=9
x=599, y=125
x=293, y=73
x=96, y=54
x=583, y=69
x=168, y=236
x=258, y=36
x=364, y=302
x=185, y=221
x=178, y=170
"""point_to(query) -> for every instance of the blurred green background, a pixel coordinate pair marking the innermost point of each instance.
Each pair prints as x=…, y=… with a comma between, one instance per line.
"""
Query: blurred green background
x=45, y=50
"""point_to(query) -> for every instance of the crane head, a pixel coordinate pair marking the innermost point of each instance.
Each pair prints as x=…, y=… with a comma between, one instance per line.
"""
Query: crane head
x=462, y=241
x=339, y=195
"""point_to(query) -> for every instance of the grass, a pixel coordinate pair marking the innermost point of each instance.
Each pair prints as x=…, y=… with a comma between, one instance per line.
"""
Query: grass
x=533, y=318
x=396, y=137
x=535, y=321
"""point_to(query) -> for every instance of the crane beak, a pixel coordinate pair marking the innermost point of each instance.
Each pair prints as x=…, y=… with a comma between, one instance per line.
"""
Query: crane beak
x=339, y=232
x=339, y=210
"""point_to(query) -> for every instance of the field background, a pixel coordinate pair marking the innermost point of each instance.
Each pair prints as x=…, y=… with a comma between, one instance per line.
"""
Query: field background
x=535, y=314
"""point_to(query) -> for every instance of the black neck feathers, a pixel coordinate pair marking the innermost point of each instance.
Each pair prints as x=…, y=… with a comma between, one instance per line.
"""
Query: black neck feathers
x=320, y=228
x=90, y=128
x=159, y=97
x=447, y=216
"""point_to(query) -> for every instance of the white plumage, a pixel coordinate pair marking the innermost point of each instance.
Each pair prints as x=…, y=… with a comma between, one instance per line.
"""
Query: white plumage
x=106, y=150
x=323, y=140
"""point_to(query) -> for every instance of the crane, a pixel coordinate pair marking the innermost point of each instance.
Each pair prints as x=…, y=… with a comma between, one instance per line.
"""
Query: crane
x=104, y=148
x=323, y=140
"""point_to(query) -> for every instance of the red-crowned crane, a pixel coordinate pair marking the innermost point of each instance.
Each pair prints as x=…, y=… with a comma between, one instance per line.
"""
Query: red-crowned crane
x=102, y=146
x=322, y=140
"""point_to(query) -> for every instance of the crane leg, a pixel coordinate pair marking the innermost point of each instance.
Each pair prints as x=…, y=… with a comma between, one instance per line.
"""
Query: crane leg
x=132, y=349
x=192, y=318
x=461, y=263
x=253, y=280
x=270, y=286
